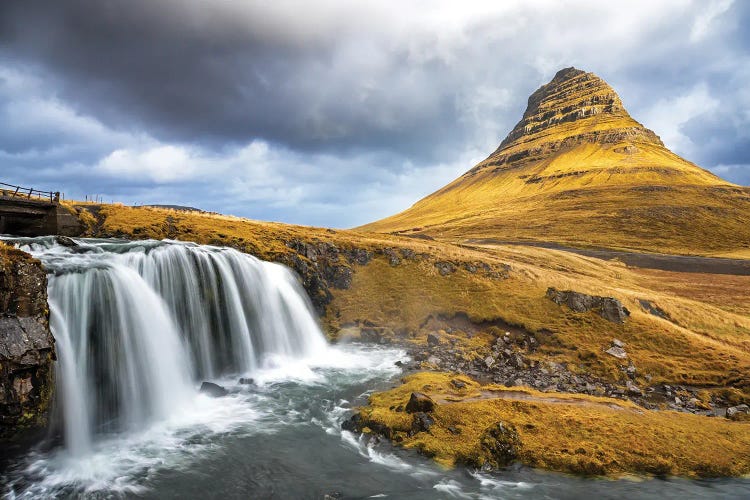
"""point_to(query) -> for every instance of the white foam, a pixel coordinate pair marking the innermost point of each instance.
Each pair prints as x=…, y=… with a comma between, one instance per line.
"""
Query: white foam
x=122, y=464
x=451, y=488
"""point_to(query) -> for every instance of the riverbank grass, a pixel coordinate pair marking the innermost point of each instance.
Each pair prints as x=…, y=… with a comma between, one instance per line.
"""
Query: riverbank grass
x=572, y=433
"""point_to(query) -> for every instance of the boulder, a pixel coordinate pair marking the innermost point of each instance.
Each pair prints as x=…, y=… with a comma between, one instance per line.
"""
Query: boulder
x=358, y=256
x=735, y=411
x=353, y=424
x=445, y=268
x=65, y=241
x=213, y=390
x=434, y=360
x=458, y=384
x=501, y=443
x=421, y=422
x=633, y=389
x=247, y=381
x=393, y=259
x=433, y=339
x=419, y=402
x=617, y=352
x=608, y=308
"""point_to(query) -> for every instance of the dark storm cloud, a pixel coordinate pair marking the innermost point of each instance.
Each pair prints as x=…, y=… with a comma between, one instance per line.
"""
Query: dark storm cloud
x=195, y=74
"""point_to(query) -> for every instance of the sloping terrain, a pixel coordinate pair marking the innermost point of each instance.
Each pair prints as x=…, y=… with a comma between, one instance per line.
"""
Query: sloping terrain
x=491, y=313
x=578, y=169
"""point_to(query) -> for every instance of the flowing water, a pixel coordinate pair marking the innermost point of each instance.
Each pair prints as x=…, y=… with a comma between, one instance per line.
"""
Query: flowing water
x=139, y=326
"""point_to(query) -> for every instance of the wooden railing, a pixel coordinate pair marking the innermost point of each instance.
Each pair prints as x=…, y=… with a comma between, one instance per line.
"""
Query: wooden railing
x=13, y=191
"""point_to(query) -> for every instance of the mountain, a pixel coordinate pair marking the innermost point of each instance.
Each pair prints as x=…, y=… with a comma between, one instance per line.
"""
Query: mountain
x=578, y=169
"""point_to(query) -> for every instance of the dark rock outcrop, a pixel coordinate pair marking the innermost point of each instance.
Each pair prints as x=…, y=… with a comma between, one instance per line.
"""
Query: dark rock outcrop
x=27, y=349
x=421, y=423
x=501, y=443
x=419, y=402
x=608, y=308
x=445, y=268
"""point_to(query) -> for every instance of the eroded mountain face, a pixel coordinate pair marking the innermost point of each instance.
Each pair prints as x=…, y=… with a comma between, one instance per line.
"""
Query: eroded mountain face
x=574, y=108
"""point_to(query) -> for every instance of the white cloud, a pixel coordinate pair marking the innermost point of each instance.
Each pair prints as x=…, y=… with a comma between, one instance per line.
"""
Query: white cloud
x=668, y=115
x=704, y=21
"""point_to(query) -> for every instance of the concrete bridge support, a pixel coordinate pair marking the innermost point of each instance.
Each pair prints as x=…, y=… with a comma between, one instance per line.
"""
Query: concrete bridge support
x=30, y=217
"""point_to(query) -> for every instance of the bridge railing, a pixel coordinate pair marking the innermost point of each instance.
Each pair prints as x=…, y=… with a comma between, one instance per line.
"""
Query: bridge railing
x=13, y=191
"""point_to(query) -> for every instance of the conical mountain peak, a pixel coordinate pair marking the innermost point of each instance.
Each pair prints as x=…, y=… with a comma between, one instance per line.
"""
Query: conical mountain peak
x=578, y=168
x=574, y=107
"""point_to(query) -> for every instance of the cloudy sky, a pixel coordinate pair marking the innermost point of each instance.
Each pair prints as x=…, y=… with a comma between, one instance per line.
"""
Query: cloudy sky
x=338, y=113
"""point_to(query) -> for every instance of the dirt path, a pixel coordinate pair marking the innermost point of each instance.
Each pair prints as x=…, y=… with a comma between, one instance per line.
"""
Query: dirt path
x=525, y=396
x=663, y=262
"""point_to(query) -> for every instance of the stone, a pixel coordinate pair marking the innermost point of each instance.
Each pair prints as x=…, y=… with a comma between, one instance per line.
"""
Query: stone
x=633, y=389
x=339, y=276
x=421, y=422
x=353, y=424
x=393, y=259
x=445, y=268
x=419, y=402
x=733, y=411
x=489, y=361
x=516, y=361
x=434, y=360
x=608, y=308
x=358, y=256
x=27, y=348
x=247, y=381
x=458, y=384
x=617, y=352
x=213, y=390
x=433, y=339
x=66, y=241
x=618, y=343
x=501, y=441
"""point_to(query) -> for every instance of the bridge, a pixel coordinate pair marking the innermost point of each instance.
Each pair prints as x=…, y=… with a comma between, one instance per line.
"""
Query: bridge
x=31, y=212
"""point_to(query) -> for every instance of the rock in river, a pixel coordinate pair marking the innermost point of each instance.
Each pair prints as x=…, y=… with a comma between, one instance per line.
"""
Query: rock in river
x=213, y=390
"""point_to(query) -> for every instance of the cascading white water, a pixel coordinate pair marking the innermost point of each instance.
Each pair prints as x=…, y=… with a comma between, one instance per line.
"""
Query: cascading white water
x=139, y=324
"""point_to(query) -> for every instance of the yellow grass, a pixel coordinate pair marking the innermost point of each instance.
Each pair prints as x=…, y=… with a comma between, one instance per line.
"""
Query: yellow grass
x=563, y=432
x=705, y=343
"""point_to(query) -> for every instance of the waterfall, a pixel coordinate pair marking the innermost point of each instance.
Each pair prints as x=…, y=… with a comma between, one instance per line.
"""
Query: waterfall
x=138, y=325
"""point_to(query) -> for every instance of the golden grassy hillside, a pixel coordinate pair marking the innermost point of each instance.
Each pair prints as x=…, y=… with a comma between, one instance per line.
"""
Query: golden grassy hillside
x=705, y=342
x=578, y=169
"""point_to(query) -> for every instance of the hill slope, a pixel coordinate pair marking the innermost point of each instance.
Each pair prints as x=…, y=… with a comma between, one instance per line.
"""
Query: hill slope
x=578, y=169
